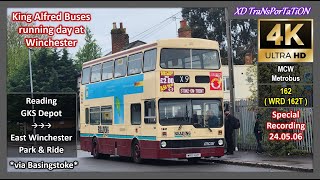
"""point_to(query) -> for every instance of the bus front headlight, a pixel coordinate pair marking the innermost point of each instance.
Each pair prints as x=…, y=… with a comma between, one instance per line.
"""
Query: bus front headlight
x=220, y=142
x=163, y=144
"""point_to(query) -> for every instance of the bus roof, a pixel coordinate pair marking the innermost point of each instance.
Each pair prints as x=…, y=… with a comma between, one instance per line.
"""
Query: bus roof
x=170, y=43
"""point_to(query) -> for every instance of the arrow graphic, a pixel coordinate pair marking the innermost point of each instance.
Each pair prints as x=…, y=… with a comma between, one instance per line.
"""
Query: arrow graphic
x=48, y=125
x=34, y=125
x=42, y=125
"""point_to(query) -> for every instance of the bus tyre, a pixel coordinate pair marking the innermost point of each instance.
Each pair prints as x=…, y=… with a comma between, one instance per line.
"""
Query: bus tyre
x=136, y=152
x=95, y=150
x=193, y=160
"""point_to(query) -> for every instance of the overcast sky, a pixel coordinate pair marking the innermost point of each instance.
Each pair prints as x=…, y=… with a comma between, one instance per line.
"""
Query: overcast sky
x=135, y=20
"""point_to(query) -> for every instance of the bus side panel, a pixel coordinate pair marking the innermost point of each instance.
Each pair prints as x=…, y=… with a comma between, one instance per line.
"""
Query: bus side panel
x=106, y=146
x=111, y=146
x=149, y=149
x=85, y=143
x=124, y=147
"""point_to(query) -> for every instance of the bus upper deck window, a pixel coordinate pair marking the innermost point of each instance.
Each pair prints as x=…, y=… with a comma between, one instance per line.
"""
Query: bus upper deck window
x=189, y=59
x=149, y=60
x=86, y=75
x=95, y=73
x=209, y=58
x=107, y=70
x=134, y=64
x=120, y=67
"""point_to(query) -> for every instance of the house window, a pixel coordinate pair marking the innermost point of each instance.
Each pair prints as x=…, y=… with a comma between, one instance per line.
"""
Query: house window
x=226, y=85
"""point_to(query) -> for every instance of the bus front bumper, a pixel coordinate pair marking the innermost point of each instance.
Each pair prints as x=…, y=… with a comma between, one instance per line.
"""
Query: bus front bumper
x=182, y=149
x=184, y=153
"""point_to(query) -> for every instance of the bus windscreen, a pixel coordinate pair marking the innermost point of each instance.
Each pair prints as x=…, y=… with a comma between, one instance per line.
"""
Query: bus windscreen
x=189, y=59
x=198, y=112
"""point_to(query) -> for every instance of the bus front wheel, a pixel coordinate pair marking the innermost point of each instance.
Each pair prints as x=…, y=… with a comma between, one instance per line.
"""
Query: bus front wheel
x=136, y=152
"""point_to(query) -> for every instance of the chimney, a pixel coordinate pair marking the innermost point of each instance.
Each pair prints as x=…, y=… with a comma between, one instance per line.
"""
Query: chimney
x=119, y=38
x=184, y=31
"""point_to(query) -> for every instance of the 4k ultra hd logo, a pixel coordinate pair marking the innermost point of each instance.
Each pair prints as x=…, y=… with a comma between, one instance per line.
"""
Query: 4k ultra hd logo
x=285, y=40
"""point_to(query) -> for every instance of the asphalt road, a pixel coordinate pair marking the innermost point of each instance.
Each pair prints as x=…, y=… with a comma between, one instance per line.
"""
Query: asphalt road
x=85, y=163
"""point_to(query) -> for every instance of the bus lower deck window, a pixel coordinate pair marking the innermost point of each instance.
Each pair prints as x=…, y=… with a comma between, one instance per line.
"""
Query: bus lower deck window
x=135, y=114
x=106, y=115
x=149, y=112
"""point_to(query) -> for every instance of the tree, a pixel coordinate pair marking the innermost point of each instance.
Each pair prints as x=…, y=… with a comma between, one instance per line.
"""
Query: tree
x=17, y=52
x=209, y=23
x=67, y=73
x=51, y=72
x=91, y=50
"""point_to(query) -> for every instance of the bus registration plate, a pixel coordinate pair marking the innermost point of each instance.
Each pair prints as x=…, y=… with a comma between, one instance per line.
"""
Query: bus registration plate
x=193, y=155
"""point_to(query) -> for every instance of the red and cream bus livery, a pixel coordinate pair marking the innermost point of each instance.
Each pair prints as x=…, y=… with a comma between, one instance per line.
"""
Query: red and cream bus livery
x=158, y=100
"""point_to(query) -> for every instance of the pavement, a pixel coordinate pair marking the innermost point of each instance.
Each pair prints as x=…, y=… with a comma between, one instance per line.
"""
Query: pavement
x=251, y=158
x=86, y=163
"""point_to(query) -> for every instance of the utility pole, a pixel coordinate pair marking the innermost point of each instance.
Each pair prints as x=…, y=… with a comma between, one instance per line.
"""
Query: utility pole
x=231, y=75
x=31, y=89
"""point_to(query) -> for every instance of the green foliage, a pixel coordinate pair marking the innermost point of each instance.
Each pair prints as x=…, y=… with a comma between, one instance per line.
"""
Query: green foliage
x=17, y=52
x=91, y=50
x=297, y=152
x=51, y=72
x=280, y=148
x=251, y=74
x=13, y=129
x=209, y=23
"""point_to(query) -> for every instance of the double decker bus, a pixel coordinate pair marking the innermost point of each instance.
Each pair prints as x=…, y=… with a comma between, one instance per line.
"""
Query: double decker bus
x=154, y=101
